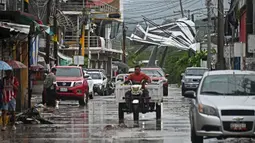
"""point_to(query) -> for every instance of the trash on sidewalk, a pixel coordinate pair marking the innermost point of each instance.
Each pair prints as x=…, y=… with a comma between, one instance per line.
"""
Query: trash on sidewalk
x=32, y=116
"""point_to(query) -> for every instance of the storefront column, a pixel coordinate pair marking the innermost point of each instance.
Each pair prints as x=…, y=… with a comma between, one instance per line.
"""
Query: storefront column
x=109, y=67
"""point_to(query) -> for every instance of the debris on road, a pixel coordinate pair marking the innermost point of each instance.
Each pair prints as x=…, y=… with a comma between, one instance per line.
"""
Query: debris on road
x=32, y=116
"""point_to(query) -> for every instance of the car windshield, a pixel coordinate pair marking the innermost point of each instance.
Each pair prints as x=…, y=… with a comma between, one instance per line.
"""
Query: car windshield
x=95, y=75
x=195, y=72
x=69, y=72
x=229, y=85
x=153, y=73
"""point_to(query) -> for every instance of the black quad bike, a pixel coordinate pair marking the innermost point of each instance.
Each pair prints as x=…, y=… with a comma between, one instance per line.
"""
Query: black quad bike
x=137, y=102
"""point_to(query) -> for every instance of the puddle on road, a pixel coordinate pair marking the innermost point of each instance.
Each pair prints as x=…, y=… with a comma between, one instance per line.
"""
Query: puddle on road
x=98, y=123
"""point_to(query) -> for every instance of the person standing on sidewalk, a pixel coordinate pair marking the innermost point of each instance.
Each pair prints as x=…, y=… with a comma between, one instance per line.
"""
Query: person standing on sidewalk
x=10, y=88
x=50, y=89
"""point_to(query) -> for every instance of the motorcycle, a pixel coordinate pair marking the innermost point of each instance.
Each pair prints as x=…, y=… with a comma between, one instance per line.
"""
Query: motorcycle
x=137, y=101
x=110, y=87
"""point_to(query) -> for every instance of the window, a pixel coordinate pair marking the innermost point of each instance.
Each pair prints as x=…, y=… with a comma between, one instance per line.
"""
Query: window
x=195, y=72
x=95, y=75
x=229, y=85
x=154, y=73
x=69, y=72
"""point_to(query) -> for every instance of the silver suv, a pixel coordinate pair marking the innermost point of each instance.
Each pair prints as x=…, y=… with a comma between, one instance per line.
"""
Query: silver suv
x=223, y=106
x=191, y=78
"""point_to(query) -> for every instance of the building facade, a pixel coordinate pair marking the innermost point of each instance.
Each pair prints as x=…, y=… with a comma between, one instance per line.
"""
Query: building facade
x=102, y=31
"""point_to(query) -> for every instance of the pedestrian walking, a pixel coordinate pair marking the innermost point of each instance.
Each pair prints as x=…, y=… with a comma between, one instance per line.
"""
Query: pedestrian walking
x=10, y=89
x=51, y=97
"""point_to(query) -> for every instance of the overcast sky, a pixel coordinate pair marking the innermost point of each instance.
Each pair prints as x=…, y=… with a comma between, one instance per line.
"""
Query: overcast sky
x=158, y=9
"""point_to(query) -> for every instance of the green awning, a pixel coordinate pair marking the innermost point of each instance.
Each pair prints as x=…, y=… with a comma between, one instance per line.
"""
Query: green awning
x=19, y=17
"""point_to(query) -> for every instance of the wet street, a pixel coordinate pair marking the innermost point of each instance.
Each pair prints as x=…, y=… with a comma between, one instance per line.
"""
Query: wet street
x=98, y=123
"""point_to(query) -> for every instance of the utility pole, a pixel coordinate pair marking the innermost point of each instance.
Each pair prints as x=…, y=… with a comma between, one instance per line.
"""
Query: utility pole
x=124, y=43
x=26, y=3
x=220, y=57
x=82, y=38
x=29, y=41
x=193, y=17
x=249, y=30
x=56, y=32
x=189, y=16
x=232, y=47
x=209, y=55
x=48, y=37
x=89, y=52
x=184, y=11
x=181, y=8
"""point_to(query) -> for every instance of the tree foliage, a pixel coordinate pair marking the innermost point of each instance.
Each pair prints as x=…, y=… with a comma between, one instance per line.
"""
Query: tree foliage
x=175, y=63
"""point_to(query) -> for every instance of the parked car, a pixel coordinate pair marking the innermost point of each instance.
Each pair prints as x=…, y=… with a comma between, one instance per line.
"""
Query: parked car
x=71, y=84
x=96, y=70
x=191, y=78
x=156, y=75
x=99, y=82
x=223, y=106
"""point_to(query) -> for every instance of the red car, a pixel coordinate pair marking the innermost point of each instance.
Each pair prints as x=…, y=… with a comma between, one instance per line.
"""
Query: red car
x=71, y=84
x=157, y=74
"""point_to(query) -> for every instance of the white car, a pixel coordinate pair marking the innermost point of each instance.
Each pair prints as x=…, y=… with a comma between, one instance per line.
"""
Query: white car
x=99, y=82
x=223, y=106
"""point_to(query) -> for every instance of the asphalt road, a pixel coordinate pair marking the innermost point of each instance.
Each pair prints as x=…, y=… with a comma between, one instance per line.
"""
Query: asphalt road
x=98, y=123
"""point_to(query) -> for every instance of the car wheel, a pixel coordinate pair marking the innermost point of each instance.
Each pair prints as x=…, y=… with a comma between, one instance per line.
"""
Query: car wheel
x=158, y=111
x=165, y=91
x=82, y=102
x=121, y=112
x=91, y=96
x=195, y=138
x=103, y=92
x=183, y=90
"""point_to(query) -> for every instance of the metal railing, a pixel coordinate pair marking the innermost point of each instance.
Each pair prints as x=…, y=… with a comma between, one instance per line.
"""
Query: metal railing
x=95, y=42
x=75, y=40
x=113, y=44
x=116, y=44
x=94, y=6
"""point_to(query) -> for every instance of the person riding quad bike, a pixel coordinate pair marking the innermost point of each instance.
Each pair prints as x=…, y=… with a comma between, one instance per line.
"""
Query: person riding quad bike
x=139, y=78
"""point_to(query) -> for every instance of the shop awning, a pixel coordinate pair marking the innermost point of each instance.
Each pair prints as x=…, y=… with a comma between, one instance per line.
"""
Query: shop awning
x=120, y=64
x=64, y=57
x=8, y=29
x=14, y=27
x=43, y=54
x=19, y=17
x=64, y=60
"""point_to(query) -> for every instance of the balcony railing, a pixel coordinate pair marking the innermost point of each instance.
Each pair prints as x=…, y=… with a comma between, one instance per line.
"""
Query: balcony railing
x=95, y=42
x=114, y=44
x=94, y=6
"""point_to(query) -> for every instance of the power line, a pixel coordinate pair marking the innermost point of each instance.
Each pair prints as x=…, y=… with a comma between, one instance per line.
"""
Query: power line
x=145, y=2
x=152, y=13
x=145, y=7
x=149, y=9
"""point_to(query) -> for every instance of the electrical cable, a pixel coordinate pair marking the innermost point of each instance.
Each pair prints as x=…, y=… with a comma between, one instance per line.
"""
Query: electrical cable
x=145, y=8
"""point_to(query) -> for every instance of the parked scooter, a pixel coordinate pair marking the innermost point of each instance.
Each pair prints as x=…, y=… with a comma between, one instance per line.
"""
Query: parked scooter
x=110, y=87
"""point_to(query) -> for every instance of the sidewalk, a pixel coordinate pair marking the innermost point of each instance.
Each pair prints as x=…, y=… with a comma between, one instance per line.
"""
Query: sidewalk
x=37, y=92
